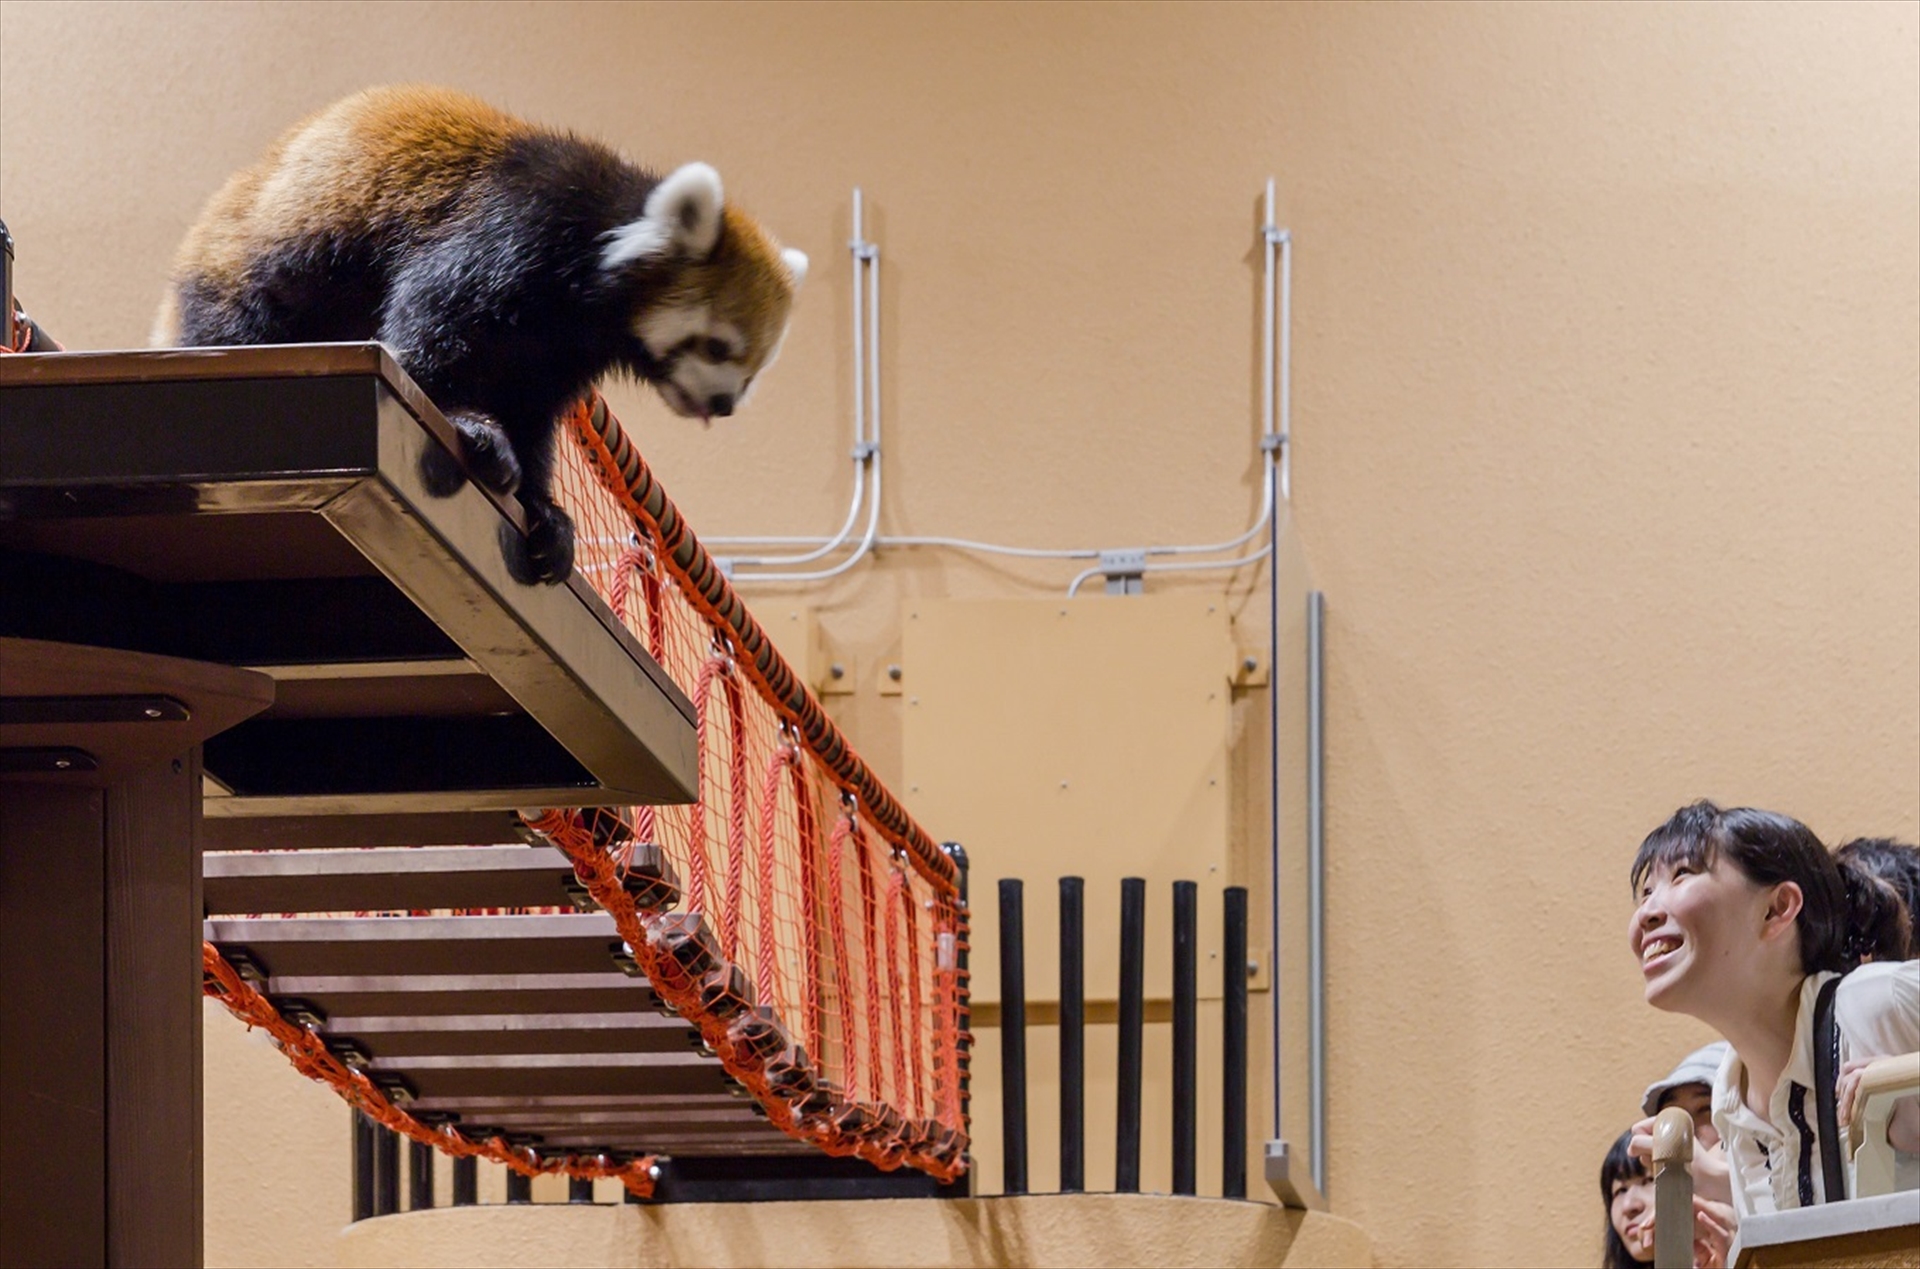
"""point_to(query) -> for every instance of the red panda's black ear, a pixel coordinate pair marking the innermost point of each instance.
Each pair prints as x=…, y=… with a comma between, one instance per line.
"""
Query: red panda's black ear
x=681, y=218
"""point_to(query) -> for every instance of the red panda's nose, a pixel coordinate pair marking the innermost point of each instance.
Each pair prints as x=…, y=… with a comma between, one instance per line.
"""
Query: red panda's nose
x=719, y=405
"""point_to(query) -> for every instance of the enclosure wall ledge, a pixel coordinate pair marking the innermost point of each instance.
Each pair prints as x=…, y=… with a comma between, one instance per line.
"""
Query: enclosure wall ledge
x=1037, y=1230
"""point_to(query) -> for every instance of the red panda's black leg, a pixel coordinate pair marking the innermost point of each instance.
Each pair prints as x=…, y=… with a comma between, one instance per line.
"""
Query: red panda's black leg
x=486, y=452
x=546, y=553
x=429, y=323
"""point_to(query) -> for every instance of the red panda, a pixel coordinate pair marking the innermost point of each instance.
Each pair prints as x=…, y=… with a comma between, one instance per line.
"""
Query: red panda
x=508, y=266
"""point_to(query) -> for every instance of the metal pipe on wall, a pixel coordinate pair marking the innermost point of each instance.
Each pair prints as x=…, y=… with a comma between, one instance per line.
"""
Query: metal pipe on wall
x=1133, y=947
x=1316, y=881
x=1292, y=1188
x=1275, y=437
x=1276, y=805
x=1073, y=1037
x=1013, y=1035
x=864, y=450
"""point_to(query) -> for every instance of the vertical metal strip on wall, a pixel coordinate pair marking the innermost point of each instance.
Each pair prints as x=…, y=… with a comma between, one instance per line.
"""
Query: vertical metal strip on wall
x=1316, y=880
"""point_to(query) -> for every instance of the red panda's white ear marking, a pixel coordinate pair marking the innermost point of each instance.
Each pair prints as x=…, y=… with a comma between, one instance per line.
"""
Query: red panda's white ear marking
x=682, y=217
x=796, y=262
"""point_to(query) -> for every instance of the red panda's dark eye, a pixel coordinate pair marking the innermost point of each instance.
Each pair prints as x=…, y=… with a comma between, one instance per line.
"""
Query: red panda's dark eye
x=717, y=350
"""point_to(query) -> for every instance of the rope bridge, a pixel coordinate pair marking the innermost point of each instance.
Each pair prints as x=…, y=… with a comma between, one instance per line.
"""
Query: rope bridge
x=796, y=916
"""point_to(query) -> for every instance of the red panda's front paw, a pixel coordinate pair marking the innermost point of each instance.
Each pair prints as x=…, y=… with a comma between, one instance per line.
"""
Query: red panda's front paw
x=545, y=554
x=488, y=453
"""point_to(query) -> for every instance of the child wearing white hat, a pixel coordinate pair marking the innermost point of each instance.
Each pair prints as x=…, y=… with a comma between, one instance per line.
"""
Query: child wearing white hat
x=1690, y=1087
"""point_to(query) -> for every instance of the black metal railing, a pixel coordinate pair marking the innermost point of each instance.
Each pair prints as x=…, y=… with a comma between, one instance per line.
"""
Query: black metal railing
x=1132, y=1019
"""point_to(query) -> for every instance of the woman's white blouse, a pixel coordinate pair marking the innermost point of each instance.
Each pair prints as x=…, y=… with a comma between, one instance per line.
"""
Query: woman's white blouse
x=1877, y=1011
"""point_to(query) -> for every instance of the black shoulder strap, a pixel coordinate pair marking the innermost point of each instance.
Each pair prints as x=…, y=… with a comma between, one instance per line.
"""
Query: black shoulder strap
x=1826, y=1074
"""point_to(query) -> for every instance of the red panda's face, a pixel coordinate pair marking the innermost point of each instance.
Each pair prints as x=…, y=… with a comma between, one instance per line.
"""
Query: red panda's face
x=719, y=318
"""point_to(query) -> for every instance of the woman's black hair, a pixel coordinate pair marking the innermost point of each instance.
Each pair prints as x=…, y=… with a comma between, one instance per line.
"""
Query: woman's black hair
x=1618, y=1166
x=1897, y=866
x=1846, y=915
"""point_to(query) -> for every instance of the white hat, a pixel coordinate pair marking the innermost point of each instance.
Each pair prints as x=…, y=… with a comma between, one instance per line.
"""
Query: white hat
x=1698, y=1067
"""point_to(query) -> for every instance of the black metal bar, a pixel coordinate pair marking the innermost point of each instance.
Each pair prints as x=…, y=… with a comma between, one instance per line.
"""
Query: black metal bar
x=519, y=1187
x=1073, y=1036
x=580, y=1189
x=6, y=286
x=1186, y=937
x=1133, y=951
x=386, y=1172
x=419, y=1176
x=363, y=1130
x=466, y=1181
x=963, y=1046
x=1233, y=1138
x=1013, y=1034
x=788, y=1178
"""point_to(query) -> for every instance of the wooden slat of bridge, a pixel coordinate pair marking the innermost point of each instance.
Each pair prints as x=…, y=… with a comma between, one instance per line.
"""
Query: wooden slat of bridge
x=517, y=1023
x=385, y=879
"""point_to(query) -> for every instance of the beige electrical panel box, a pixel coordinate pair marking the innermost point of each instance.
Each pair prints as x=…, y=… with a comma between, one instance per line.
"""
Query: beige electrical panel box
x=1082, y=738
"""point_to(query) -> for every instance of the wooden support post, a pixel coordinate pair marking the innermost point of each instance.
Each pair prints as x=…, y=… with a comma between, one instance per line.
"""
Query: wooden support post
x=100, y=948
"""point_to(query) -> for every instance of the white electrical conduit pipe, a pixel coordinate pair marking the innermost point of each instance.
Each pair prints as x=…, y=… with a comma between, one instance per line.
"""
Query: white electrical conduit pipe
x=866, y=258
x=1194, y=566
x=867, y=449
x=1275, y=437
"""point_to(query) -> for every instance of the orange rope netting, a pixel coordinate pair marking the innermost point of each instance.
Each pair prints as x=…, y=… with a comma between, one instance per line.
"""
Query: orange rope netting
x=812, y=987
x=801, y=980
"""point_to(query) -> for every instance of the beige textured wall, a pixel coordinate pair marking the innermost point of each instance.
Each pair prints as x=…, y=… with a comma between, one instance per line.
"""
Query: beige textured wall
x=1609, y=436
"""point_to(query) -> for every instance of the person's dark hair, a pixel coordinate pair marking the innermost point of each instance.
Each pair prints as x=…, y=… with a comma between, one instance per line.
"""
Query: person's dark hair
x=1896, y=865
x=1618, y=1166
x=1846, y=914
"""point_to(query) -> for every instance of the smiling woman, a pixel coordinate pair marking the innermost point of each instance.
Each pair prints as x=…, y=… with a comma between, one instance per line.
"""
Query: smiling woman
x=1744, y=920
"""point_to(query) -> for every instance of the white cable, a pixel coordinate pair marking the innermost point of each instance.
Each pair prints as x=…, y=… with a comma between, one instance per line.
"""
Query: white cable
x=1266, y=319
x=862, y=252
x=1072, y=553
x=873, y=416
x=1276, y=442
x=821, y=575
x=994, y=548
x=821, y=546
x=1259, y=523
x=1286, y=366
x=1189, y=566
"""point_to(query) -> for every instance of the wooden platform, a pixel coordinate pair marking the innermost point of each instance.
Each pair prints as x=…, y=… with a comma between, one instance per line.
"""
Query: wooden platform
x=264, y=507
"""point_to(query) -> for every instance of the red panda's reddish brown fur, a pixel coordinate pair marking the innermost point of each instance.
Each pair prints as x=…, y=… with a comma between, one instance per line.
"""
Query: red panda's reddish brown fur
x=508, y=266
